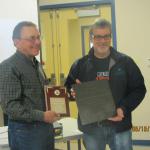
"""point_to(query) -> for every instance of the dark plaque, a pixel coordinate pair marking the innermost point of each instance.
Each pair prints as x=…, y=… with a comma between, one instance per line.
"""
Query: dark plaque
x=95, y=101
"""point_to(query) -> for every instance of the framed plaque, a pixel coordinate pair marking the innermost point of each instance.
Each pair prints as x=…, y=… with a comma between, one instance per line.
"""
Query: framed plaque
x=56, y=100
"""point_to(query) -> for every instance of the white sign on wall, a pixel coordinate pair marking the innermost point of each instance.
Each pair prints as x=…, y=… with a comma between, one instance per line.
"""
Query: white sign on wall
x=11, y=13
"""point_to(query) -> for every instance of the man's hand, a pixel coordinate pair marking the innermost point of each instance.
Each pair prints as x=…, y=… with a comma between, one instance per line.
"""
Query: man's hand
x=73, y=94
x=51, y=116
x=119, y=115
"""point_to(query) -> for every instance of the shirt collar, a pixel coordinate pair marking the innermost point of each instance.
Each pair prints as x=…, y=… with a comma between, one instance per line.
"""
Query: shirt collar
x=27, y=59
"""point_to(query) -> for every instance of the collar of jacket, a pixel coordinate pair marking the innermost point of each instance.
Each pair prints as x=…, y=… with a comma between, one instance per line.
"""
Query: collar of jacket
x=27, y=59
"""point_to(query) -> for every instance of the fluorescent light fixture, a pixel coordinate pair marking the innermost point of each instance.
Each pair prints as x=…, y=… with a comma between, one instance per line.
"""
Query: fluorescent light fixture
x=88, y=12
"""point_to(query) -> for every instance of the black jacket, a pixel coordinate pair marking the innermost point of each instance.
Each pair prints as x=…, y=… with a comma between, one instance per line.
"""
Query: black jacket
x=126, y=83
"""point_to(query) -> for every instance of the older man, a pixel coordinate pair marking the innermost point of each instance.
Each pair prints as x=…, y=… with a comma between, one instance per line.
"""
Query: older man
x=22, y=97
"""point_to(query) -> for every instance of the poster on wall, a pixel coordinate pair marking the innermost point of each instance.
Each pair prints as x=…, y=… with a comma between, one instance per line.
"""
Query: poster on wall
x=11, y=13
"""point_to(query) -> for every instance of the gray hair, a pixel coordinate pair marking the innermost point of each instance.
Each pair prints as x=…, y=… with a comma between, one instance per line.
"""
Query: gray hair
x=18, y=28
x=100, y=23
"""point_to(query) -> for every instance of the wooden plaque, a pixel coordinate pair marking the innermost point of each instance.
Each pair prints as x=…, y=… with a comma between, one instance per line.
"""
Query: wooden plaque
x=56, y=100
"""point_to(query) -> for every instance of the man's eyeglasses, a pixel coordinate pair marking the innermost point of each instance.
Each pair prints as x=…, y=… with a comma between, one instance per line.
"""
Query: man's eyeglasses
x=31, y=39
x=100, y=37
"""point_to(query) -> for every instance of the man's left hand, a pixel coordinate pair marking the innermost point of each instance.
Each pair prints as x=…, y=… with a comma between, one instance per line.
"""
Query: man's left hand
x=119, y=116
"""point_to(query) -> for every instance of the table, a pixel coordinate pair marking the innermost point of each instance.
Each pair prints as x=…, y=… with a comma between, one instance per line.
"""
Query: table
x=4, y=138
x=70, y=132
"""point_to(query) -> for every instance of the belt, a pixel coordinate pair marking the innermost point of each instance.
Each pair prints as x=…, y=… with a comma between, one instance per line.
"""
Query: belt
x=105, y=123
x=33, y=123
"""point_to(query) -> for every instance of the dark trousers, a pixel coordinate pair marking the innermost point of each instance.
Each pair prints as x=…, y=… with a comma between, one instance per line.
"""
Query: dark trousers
x=30, y=136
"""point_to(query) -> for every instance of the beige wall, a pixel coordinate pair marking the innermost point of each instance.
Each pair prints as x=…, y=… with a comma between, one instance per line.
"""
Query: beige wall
x=133, y=38
x=133, y=25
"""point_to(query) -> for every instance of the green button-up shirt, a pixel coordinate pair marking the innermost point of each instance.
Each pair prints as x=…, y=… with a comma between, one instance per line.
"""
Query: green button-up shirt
x=22, y=88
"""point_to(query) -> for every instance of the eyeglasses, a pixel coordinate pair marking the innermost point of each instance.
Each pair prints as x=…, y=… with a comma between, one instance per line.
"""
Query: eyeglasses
x=100, y=37
x=32, y=39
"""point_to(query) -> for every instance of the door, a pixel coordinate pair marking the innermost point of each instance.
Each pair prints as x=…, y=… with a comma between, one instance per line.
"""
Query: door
x=66, y=37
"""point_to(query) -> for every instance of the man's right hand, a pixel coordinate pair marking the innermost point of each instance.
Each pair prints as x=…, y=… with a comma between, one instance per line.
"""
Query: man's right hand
x=73, y=94
x=51, y=116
